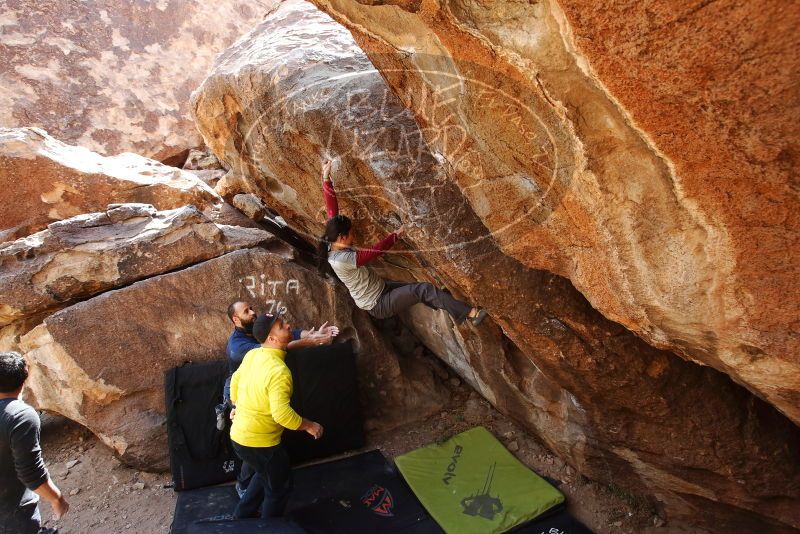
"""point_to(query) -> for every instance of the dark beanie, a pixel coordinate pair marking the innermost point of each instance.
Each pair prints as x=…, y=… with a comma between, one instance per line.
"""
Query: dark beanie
x=262, y=326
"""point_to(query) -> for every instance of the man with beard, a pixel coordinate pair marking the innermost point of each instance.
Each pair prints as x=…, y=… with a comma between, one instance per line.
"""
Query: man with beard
x=242, y=341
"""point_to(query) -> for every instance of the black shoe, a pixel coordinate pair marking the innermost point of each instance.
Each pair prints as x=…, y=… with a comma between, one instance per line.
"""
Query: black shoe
x=479, y=317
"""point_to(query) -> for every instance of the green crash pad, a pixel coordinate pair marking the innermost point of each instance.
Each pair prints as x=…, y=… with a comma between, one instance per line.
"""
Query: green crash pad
x=471, y=483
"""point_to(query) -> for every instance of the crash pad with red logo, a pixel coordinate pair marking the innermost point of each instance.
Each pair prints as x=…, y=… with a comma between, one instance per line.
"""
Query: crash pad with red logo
x=361, y=493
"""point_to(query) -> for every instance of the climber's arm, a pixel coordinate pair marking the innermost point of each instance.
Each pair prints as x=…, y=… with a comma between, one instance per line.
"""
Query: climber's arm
x=331, y=204
x=366, y=255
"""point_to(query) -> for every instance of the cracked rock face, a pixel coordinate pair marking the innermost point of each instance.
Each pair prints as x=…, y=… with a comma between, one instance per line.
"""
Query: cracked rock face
x=87, y=254
x=505, y=171
x=626, y=149
x=114, y=77
x=43, y=180
x=112, y=380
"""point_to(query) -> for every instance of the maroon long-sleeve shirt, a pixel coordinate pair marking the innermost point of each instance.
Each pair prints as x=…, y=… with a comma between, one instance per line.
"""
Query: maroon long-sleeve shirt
x=366, y=255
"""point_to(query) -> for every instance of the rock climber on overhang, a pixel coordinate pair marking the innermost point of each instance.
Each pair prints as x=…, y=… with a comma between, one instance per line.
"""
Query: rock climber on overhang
x=379, y=298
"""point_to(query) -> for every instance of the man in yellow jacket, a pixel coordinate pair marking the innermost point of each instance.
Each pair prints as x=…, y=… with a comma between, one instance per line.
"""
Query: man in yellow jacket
x=260, y=392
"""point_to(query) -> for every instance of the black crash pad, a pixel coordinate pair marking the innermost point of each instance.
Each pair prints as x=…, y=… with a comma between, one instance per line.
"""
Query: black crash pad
x=361, y=493
x=200, y=455
x=325, y=391
x=558, y=522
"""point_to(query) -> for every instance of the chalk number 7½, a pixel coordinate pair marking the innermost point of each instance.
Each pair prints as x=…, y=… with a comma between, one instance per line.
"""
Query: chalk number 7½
x=260, y=286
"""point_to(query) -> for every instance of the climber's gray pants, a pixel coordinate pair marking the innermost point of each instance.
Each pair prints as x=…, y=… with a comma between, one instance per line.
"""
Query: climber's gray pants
x=398, y=296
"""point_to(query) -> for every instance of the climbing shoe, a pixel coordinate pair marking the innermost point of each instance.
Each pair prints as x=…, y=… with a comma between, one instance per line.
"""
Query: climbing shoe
x=479, y=317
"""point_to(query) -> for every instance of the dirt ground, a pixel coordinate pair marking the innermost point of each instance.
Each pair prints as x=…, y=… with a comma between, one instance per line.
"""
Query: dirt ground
x=107, y=497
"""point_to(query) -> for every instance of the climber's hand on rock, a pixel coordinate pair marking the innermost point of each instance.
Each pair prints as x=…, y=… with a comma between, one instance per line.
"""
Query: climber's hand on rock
x=326, y=169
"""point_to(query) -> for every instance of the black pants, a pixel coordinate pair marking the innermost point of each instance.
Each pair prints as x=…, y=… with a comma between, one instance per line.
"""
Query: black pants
x=245, y=475
x=270, y=486
x=398, y=296
x=24, y=520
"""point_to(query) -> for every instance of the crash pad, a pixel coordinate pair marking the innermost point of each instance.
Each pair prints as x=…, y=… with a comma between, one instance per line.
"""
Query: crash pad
x=360, y=493
x=472, y=484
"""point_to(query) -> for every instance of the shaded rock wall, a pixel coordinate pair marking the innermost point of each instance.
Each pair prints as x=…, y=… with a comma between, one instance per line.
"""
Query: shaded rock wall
x=114, y=76
x=487, y=211
x=112, y=381
x=643, y=150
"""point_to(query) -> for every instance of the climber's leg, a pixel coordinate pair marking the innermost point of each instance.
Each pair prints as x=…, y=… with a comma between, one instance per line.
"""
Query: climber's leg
x=400, y=297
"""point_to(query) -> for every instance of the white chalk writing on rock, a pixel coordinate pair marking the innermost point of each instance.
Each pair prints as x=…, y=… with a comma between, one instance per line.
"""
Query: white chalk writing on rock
x=260, y=286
